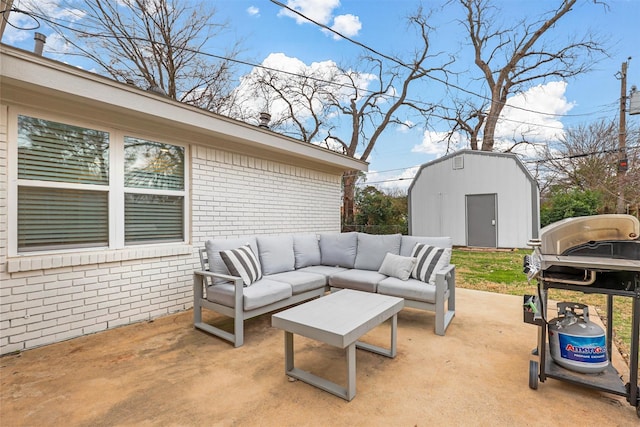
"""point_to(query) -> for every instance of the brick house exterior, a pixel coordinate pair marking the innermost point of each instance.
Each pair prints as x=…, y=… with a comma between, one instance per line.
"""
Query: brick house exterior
x=240, y=179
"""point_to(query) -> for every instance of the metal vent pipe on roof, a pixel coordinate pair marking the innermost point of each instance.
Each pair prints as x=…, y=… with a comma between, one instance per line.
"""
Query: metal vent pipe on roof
x=264, y=120
x=40, y=40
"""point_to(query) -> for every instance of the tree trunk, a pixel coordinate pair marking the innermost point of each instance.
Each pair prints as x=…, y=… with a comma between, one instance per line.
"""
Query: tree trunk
x=348, y=200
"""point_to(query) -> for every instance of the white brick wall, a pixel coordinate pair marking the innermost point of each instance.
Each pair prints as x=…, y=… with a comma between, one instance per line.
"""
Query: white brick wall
x=49, y=299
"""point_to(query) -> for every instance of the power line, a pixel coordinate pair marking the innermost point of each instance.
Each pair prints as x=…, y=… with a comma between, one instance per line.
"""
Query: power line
x=397, y=61
x=36, y=16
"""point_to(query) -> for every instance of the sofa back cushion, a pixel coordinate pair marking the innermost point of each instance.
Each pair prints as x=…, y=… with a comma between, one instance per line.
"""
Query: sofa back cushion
x=338, y=249
x=372, y=249
x=214, y=246
x=306, y=250
x=409, y=242
x=276, y=253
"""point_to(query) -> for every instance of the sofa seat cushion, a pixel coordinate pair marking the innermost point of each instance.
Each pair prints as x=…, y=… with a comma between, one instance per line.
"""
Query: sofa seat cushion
x=372, y=248
x=300, y=281
x=325, y=270
x=261, y=293
x=276, y=253
x=411, y=289
x=360, y=280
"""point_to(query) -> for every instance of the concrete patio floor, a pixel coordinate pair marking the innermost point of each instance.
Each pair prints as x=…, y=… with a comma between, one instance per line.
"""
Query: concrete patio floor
x=166, y=373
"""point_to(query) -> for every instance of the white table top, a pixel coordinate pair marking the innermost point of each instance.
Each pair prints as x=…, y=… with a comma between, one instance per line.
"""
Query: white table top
x=340, y=318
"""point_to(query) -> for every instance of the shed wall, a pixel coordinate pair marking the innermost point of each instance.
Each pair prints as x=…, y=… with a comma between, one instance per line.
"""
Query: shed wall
x=438, y=205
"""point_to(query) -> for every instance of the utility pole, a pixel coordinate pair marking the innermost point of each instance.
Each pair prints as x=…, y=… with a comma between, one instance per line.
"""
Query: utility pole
x=622, y=139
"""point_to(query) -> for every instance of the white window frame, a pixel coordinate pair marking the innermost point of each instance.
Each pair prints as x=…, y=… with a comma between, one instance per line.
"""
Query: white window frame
x=115, y=188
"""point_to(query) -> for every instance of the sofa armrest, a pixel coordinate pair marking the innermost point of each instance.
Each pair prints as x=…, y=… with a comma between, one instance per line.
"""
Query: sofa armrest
x=445, y=297
x=201, y=280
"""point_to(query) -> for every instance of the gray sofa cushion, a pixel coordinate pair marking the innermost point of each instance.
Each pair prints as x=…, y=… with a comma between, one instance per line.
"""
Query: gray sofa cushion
x=411, y=289
x=300, y=281
x=339, y=249
x=214, y=246
x=276, y=253
x=397, y=266
x=409, y=242
x=261, y=293
x=361, y=280
x=325, y=270
x=372, y=249
x=306, y=249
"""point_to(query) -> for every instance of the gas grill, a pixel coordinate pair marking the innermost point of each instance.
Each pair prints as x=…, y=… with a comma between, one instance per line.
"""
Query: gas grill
x=595, y=254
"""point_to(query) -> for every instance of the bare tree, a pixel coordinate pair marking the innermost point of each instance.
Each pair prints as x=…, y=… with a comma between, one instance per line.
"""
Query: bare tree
x=586, y=159
x=298, y=101
x=156, y=44
x=511, y=59
x=369, y=112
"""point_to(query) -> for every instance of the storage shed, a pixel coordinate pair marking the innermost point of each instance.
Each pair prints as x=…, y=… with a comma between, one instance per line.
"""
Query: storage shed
x=479, y=198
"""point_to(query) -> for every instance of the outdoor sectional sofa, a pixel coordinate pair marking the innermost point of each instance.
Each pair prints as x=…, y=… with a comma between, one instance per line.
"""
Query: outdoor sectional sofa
x=246, y=277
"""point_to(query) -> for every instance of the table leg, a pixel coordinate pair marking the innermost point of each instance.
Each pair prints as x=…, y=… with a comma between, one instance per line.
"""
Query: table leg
x=391, y=352
x=351, y=371
x=288, y=351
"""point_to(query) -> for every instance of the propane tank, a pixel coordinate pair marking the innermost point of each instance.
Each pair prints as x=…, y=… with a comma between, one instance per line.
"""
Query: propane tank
x=576, y=343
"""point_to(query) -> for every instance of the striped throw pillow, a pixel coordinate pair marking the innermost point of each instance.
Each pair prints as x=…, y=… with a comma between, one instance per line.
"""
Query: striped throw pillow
x=243, y=263
x=430, y=259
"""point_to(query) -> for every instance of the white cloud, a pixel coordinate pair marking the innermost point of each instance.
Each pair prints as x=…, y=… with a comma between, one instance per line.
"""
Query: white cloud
x=253, y=11
x=405, y=127
x=319, y=10
x=323, y=71
x=435, y=143
x=347, y=25
x=22, y=25
x=393, y=180
x=533, y=115
x=58, y=45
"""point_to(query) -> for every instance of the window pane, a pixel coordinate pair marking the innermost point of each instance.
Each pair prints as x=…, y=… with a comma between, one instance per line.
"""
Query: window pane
x=154, y=165
x=51, y=218
x=51, y=151
x=153, y=218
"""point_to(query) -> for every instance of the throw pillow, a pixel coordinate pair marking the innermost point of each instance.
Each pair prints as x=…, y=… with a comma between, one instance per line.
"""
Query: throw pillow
x=397, y=266
x=429, y=260
x=242, y=262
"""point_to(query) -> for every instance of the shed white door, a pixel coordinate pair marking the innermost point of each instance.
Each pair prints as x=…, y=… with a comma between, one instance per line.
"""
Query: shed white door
x=482, y=220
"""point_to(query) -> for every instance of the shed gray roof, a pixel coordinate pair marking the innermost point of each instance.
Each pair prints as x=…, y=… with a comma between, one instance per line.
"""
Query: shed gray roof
x=476, y=153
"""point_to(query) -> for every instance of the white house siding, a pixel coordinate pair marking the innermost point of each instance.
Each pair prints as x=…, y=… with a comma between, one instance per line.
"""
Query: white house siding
x=235, y=195
x=53, y=298
x=438, y=204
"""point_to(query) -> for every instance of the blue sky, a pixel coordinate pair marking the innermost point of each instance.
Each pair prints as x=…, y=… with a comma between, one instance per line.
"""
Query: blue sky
x=266, y=30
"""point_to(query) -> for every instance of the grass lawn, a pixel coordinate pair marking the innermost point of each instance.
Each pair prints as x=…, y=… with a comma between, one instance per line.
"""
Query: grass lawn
x=501, y=271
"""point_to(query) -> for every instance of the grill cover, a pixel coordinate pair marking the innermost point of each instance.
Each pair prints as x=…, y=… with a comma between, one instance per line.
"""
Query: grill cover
x=559, y=237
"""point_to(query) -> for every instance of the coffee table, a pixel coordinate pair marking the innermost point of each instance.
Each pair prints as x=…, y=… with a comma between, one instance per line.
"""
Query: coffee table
x=338, y=319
